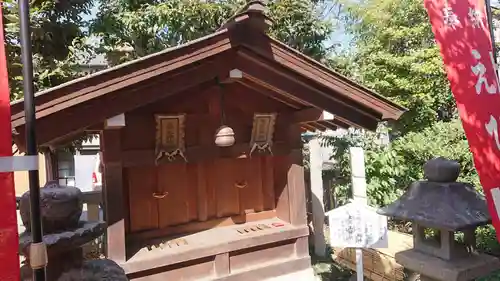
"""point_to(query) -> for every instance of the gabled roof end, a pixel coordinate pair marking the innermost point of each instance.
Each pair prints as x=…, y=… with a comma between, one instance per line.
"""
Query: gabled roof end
x=253, y=13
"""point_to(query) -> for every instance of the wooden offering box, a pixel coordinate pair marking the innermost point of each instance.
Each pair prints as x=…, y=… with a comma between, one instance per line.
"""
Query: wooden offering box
x=202, y=151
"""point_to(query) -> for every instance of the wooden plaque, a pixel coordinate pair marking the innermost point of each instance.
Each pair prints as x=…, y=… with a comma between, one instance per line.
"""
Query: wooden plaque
x=262, y=131
x=170, y=136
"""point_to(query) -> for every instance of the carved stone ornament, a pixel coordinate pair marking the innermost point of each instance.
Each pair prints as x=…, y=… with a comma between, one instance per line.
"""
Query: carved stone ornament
x=170, y=137
x=60, y=207
x=262, y=132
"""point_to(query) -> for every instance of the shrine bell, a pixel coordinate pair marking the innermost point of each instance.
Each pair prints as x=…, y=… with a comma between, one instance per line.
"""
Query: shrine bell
x=440, y=208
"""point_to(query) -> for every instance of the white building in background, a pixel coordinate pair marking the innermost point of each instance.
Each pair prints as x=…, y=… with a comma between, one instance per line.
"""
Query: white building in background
x=76, y=169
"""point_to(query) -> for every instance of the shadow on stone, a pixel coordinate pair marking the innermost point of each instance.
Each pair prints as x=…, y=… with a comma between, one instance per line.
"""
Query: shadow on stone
x=95, y=270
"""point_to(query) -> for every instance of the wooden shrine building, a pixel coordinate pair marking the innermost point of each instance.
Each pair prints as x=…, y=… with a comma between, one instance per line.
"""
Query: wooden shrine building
x=202, y=150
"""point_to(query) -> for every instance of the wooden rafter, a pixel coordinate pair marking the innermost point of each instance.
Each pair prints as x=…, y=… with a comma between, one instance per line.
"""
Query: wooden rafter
x=123, y=101
x=278, y=81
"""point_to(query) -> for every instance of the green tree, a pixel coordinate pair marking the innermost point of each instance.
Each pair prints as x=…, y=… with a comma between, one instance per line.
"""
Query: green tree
x=58, y=40
x=391, y=168
x=133, y=28
x=395, y=54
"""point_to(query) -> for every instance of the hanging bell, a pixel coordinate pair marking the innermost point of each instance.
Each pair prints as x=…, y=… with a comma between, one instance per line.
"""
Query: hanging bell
x=224, y=136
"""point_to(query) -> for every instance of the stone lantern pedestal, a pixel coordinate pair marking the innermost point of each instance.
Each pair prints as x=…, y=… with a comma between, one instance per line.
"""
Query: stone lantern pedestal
x=64, y=235
x=445, y=215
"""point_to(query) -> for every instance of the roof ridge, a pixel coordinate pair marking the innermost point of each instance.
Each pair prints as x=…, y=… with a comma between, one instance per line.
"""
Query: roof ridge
x=255, y=10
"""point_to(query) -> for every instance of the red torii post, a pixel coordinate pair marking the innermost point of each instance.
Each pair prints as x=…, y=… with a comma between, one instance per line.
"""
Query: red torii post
x=9, y=240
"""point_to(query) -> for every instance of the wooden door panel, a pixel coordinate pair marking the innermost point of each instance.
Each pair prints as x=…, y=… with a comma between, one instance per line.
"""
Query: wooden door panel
x=251, y=194
x=202, y=193
x=222, y=180
x=173, y=181
x=143, y=206
x=211, y=175
x=268, y=183
x=191, y=191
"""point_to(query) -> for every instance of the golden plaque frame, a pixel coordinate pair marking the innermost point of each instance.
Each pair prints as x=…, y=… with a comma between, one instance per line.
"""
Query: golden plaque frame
x=262, y=132
x=170, y=133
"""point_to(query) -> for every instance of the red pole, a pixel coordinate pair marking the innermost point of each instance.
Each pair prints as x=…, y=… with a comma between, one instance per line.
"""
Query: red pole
x=9, y=240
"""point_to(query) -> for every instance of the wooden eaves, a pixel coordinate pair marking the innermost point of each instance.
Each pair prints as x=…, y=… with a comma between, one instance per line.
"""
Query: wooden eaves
x=267, y=65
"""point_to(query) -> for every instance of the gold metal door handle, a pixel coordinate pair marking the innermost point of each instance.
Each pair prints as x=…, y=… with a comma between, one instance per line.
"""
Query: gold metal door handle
x=160, y=195
x=241, y=184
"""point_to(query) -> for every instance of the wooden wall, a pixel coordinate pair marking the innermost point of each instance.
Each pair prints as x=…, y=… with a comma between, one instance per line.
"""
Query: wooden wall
x=204, y=189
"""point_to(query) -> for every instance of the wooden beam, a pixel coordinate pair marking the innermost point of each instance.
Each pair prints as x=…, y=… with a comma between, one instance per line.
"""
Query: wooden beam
x=114, y=200
x=129, y=73
x=288, y=100
x=320, y=126
x=281, y=80
x=115, y=122
x=307, y=115
x=327, y=124
x=132, y=158
x=308, y=127
x=338, y=123
x=311, y=125
x=193, y=227
x=225, y=244
x=332, y=83
x=97, y=110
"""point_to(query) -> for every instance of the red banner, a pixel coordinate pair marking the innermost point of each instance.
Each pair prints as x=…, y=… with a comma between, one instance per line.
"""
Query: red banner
x=462, y=33
x=9, y=257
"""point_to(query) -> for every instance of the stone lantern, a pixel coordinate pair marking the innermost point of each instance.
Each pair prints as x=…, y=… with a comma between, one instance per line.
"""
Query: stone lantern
x=65, y=234
x=439, y=208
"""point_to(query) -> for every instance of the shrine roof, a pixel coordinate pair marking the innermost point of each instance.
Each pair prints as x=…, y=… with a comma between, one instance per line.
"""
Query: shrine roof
x=242, y=44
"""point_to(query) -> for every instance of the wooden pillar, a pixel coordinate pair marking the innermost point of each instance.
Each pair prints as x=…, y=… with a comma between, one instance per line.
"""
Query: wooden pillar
x=295, y=178
x=113, y=194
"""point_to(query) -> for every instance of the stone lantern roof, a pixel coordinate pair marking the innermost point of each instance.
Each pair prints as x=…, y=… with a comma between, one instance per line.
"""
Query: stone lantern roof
x=440, y=202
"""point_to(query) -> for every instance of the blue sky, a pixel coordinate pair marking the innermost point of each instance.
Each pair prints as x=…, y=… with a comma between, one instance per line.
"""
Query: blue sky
x=93, y=12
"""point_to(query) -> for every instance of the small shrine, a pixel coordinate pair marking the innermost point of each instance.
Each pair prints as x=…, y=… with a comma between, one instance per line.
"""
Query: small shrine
x=201, y=146
x=445, y=215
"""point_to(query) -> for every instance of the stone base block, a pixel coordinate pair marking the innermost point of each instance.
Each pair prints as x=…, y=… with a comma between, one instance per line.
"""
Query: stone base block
x=470, y=268
x=303, y=275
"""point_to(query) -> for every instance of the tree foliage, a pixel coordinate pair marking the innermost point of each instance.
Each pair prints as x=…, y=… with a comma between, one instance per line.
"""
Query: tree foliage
x=395, y=54
x=391, y=168
x=58, y=39
x=133, y=28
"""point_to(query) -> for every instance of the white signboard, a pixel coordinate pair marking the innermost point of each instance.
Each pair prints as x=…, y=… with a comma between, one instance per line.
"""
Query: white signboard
x=356, y=225
x=84, y=166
